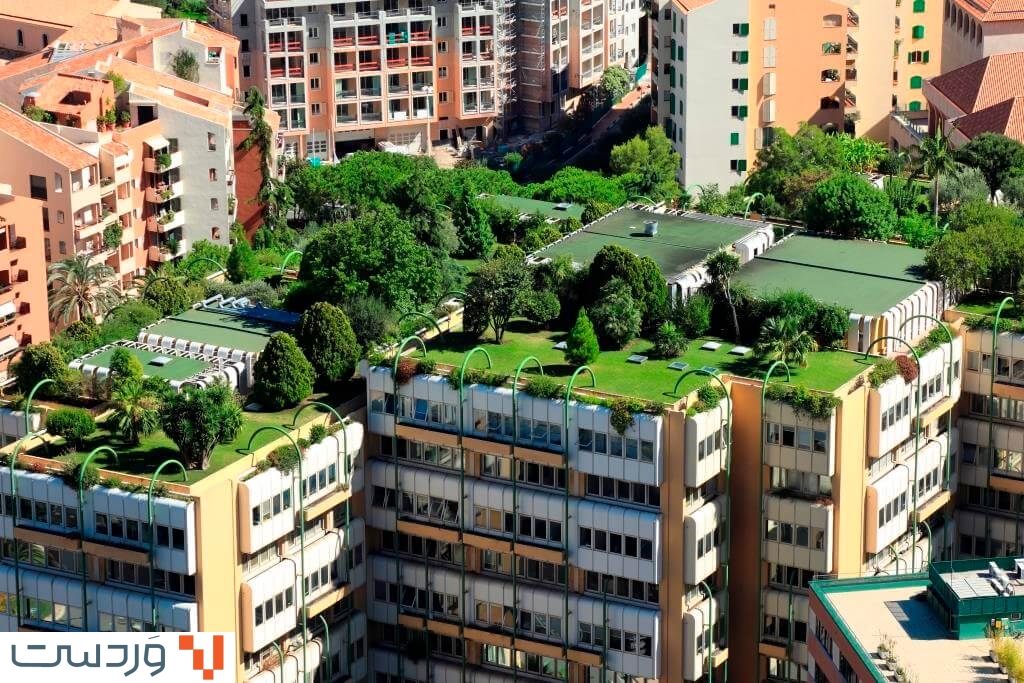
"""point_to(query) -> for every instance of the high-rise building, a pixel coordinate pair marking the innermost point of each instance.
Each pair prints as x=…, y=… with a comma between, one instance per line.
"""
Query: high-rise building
x=728, y=73
x=401, y=75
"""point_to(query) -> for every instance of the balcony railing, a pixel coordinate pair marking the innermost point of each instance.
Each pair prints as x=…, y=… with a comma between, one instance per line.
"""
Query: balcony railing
x=344, y=94
x=421, y=61
x=344, y=119
x=369, y=66
x=369, y=39
x=344, y=41
x=369, y=92
x=398, y=89
x=373, y=116
x=398, y=63
x=344, y=66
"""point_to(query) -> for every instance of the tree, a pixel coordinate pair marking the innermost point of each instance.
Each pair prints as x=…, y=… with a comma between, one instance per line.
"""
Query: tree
x=614, y=84
x=508, y=252
x=170, y=296
x=371, y=319
x=721, y=267
x=646, y=284
x=73, y=424
x=958, y=261
x=572, y=184
x=38, y=362
x=935, y=158
x=669, y=341
x=242, y=263
x=261, y=136
x=125, y=366
x=849, y=206
x=711, y=201
x=693, y=316
x=616, y=317
x=282, y=375
x=581, y=345
x=962, y=184
x=196, y=419
x=79, y=289
x=474, y=232
x=420, y=206
x=136, y=410
x=541, y=307
x=996, y=156
x=783, y=339
x=185, y=65
x=326, y=337
x=497, y=291
x=648, y=164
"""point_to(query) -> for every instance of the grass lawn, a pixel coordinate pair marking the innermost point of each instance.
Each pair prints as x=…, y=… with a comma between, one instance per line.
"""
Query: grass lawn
x=652, y=381
x=980, y=303
x=142, y=460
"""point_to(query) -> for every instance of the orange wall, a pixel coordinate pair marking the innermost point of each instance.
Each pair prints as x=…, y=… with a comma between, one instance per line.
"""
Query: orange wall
x=23, y=218
x=32, y=34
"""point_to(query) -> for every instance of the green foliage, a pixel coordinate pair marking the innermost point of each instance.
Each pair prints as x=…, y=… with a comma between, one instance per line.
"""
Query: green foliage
x=693, y=316
x=74, y=424
x=282, y=375
x=197, y=419
x=543, y=386
x=721, y=267
x=581, y=344
x=512, y=160
x=371, y=319
x=903, y=194
x=426, y=366
x=38, y=114
x=541, y=307
x=80, y=289
x=614, y=84
x=595, y=210
x=648, y=165
x=284, y=458
x=709, y=396
x=117, y=80
x=784, y=339
x=961, y=184
x=711, y=201
x=572, y=184
x=317, y=433
x=124, y=365
x=126, y=321
x=475, y=239
x=203, y=249
x=185, y=65
x=171, y=296
x=917, y=230
x=849, y=206
x=496, y=292
x=641, y=275
x=112, y=235
x=375, y=254
x=986, y=247
x=996, y=156
x=622, y=413
x=508, y=252
x=476, y=376
x=257, y=291
x=979, y=213
x=136, y=408
x=818, y=406
x=38, y=362
x=669, y=341
x=826, y=323
x=615, y=316
x=73, y=470
x=956, y=260
x=1013, y=191
x=242, y=263
x=327, y=339
x=936, y=338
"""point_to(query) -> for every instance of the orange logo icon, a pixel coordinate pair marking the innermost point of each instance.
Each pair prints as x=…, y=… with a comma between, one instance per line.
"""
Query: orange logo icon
x=187, y=643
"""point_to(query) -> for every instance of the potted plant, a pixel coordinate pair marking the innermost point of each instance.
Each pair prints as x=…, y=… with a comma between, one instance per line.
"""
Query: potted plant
x=125, y=118
x=163, y=160
x=101, y=123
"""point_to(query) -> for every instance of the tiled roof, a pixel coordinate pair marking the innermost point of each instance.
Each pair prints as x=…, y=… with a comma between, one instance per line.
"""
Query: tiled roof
x=50, y=94
x=71, y=12
x=994, y=10
x=144, y=75
x=690, y=5
x=19, y=127
x=1005, y=118
x=983, y=83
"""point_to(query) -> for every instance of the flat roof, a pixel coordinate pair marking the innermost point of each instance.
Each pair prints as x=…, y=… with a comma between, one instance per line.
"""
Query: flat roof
x=218, y=327
x=547, y=209
x=682, y=241
x=867, y=277
x=871, y=609
x=175, y=369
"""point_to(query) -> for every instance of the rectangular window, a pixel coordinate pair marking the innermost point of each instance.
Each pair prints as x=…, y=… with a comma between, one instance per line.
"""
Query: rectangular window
x=37, y=187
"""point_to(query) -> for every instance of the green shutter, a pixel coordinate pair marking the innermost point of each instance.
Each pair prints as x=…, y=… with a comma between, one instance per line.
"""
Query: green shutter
x=672, y=49
x=917, y=32
x=741, y=166
x=672, y=105
x=910, y=58
x=673, y=23
x=918, y=6
x=744, y=29
x=915, y=105
x=743, y=111
x=744, y=57
x=734, y=138
x=744, y=84
x=681, y=53
x=916, y=82
x=672, y=77
x=925, y=60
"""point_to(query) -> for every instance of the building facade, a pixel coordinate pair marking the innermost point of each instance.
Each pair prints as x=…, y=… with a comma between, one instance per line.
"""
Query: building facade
x=23, y=304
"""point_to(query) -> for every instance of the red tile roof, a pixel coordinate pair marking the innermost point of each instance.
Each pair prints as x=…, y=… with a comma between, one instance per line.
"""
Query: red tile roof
x=30, y=133
x=1005, y=118
x=994, y=10
x=983, y=83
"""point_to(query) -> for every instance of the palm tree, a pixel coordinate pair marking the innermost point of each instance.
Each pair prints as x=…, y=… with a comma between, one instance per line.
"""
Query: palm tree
x=721, y=266
x=935, y=158
x=782, y=339
x=261, y=135
x=79, y=289
x=136, y=410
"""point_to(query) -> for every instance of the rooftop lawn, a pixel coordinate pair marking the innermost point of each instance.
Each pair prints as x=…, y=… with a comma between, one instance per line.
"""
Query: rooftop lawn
x=142, y=460
x=177, y=369
x=981, y=303
x=681, y=242
x=531, y=206
x=217, y=328
x=653, y=380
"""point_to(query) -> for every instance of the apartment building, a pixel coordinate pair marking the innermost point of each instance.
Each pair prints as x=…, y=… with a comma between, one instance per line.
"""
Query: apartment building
x=26, y=27
x=24, y=317
x=975, y=29
x=723, y=82
x=129, y=177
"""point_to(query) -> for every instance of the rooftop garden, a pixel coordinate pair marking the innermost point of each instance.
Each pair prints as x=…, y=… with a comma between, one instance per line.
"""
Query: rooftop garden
x=981, y=308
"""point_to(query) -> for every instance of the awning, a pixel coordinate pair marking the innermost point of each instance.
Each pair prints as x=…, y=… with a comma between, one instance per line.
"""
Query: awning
x=8, y=345
x=157, y=142
x=8, y=309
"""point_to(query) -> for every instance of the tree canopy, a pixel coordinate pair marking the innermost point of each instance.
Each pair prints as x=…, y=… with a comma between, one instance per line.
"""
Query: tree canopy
x=282, y=375
x=196, y=419
x=849, y=206
x=327, y=339
x=996, y=156
x=647, y=164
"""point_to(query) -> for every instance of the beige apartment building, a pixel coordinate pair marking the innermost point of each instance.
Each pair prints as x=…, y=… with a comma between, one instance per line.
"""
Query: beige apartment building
x=404, y=74
x=728, y=73
x=130, y=178
x=27, y=27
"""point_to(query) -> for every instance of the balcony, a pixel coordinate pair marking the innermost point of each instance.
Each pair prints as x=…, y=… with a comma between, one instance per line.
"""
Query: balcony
x=162, y=253
x=165, y=221
x=153, y=165
x=368, y=39
x=399, y=89
x=398, y=63
x=371, y=117
x=420, y=37
x=369, y=92
x=345, y=94
x=421, y=61
x=831, y=48
x=345, y=120
x=342, y=67
x=369, y=66
x=164, y=193
x=344, y=39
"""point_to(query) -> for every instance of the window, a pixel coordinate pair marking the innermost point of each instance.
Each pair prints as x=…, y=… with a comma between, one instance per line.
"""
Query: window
x=314, y=57
x=442, y=72
x=314, y=109
x=213, y=174
x=739, y=111
x=442, y=22
x=918, y=6
x=918, y=56
x=243, y=20
x=741, y=57
x=313, y=32
x=37, y=186
x=211, y=142
x=62, y=247
x=314, y=84
x=442, y=96
x=245, y=45
x=246, y=71
x=738, y=165
x=442, y=46
x=740, y=84
x=917, y=32
x=741, y=29
x=214, y=204
x=60, y=217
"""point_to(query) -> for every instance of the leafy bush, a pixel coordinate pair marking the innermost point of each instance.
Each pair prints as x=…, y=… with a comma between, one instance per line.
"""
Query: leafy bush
x=257, y=291
x=317, y=433
x=242, y=264
x=327, y=339
x=883, y=371
x=693, y=316
x=407, y=369
x=42, y=361
x=74, y=424
x=581, y=344
x=71, y=472
x=284, y=458
x=508, y=252
x=849, y=206
x=622, y=413
x=669, y=341
x=477, y=376
x=541, y=307
x=542, y=386
x=616, y=316
x=426, y=366
x=171, y=296
x=371, y=319
x=283, y=376
x=124, y=364
x=936, y=337
x=818, y=406
x=907, y=367
x=708, y=397
x=126, y=320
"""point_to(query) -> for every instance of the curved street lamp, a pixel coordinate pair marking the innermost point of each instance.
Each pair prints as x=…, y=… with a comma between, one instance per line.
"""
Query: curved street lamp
x=288, y=257
x=750, y=202
x=152, y=534
x=28, y=402
x=81, y=524
x=14, y=523
x=991, y=395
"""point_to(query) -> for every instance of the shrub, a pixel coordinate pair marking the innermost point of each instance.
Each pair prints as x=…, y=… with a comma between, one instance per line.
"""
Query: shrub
x=883, y=371
x=242, y=265
x=581, y=344
x=907, y=367
x=185, y=65
x=818, y=406
x=74, y=424
x=124, y=365
x=616, y=316
x=317, y=433
x=693, y=316
x=508, y=252
x=542, y=386
x=256, y=291
x=327, y=339
x=477, y=376
x=669, y=341
x=371, y=319
x=407, y=369
x=126, y=320
x=39, y=362
x=708, y=397
x=283, y=376
x=171, y=296
x=622, y=413
x=541, y=307
x=71, y=471
x=284, y=458
x=426, y=366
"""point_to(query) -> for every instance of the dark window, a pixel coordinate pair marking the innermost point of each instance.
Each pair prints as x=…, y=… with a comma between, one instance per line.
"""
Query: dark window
x=37, y=187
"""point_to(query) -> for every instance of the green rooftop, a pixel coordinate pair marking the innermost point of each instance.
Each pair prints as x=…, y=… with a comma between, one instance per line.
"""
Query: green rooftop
x=532, y=206
x=176, y=369
x=653, y=380
x=866, y=277
x=681, y=243
x=986, y=305
x=219, y=328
